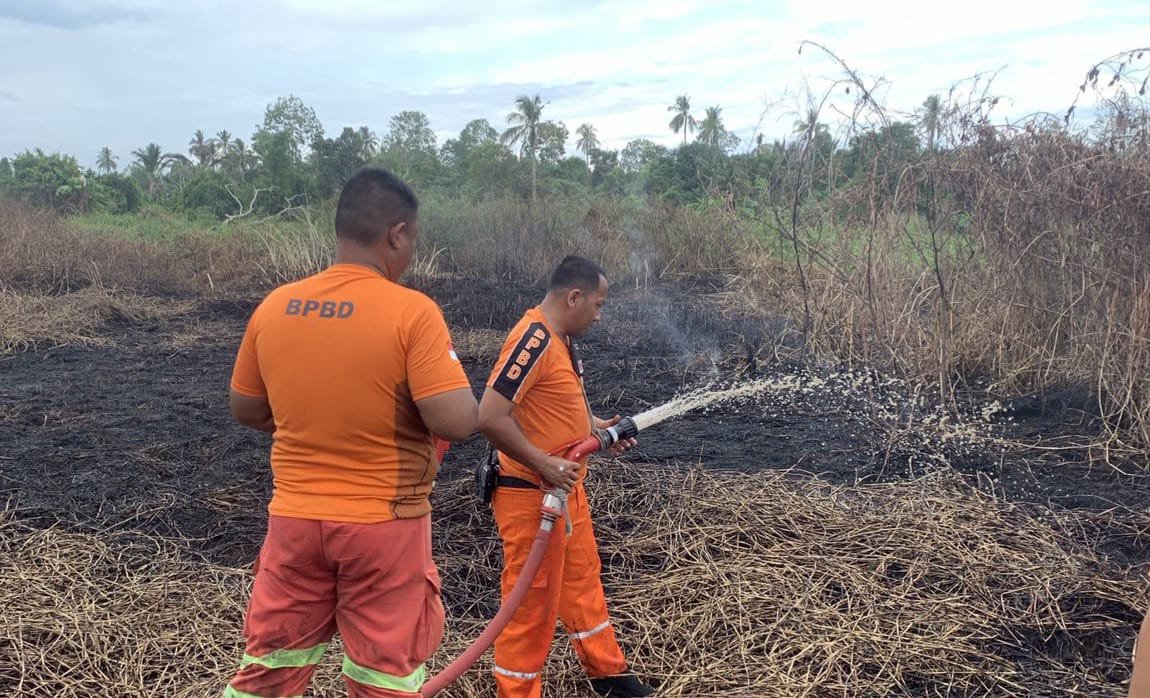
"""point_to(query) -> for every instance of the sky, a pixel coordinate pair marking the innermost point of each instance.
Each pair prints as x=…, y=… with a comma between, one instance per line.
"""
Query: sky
x=77, y=75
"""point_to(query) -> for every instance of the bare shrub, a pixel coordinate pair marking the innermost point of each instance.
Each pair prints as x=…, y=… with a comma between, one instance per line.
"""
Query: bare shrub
x=1017, y=253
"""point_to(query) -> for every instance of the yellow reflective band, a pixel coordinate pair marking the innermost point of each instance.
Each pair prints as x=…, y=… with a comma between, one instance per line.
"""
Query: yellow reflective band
x=593, y=631
x=287, y=659
x=370, y=677
x=524, y=675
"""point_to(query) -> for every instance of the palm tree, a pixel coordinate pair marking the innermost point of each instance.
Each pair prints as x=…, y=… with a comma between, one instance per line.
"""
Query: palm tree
x=369, y=142
x=587, y=142
x=524, y=130
x=105, y=161
x=930, y=118
x=683, y=120
x=711, y=130
x=240, y=155
x=810, y=129
x=225, y=140
x=153, y=162
x=202, y=149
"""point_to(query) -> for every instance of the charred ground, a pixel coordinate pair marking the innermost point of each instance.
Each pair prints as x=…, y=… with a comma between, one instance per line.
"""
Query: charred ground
x=136, y=433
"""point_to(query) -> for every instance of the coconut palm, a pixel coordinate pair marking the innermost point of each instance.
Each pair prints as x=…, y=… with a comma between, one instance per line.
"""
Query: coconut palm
x=201, y=148
x=369, y=143
x=711, y=130
x=587, y=142
x=153, y=162
x=241, y=155
x=929, y=119
x=810, y=128
x=105, y=161
x=225, y=141
x=524, y=130
x=682, y=121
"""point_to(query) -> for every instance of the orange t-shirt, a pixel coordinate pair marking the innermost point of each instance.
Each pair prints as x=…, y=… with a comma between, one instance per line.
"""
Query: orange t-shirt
x=536, y=372
x=341, y=357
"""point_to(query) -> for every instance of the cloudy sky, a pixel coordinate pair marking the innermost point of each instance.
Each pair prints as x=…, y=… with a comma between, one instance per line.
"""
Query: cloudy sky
x=76, y=75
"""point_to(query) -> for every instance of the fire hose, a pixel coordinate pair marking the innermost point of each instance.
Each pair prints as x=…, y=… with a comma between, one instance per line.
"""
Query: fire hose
x=553, y=508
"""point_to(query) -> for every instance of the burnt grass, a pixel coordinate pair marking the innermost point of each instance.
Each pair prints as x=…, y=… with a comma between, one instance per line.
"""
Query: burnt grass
x=136, y=434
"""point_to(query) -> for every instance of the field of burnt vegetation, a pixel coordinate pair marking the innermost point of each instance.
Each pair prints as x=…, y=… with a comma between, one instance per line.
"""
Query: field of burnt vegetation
x=937, y=487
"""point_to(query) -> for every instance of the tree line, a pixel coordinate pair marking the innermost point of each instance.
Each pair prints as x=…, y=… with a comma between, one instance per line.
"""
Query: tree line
x=290, y=160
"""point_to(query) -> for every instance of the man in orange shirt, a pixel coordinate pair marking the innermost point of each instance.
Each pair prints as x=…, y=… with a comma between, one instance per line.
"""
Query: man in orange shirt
x=534, y=407
x=355, y=376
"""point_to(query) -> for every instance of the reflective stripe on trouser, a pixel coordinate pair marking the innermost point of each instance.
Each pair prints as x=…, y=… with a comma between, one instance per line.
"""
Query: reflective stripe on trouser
x=567, y=587
x=375, y=583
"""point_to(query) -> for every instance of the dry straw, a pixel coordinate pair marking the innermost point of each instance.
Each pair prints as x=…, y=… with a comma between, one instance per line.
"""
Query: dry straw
x=29, y=320
x=719, y=584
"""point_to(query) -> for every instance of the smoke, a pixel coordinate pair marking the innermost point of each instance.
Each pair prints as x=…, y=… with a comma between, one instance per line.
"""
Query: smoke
x=671, y=313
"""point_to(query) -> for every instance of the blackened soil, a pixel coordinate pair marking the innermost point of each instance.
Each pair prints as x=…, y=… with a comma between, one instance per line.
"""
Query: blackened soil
x=137, y=433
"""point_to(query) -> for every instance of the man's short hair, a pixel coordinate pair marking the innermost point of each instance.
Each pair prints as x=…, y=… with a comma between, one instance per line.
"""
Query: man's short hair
x=577, y=272
x=371, y=202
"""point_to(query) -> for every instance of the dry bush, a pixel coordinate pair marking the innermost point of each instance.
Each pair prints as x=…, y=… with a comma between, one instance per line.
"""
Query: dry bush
x=508, y=238
x=719, y=584
x=292, y=246
x=1018, y=254
x=35, y=248
x=41, y=252
x=637, y=243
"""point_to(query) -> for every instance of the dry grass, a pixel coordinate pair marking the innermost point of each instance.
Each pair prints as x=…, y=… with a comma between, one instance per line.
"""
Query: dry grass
x=42, y=253
x=920, y=588
x=720, y=584
x=35, y=320
x=197, y=335
x=481, y=345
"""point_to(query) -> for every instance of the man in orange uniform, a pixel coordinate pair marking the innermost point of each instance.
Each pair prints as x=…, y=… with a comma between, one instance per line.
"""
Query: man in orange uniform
x=354, y=375
x=533, y=407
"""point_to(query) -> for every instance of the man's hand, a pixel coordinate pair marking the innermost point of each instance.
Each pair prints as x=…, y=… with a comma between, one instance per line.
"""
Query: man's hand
x=559, y=472
x=622, y=445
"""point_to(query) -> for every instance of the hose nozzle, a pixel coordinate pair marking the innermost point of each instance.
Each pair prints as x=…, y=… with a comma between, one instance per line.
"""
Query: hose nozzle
x=603, y=439
x=625, y=429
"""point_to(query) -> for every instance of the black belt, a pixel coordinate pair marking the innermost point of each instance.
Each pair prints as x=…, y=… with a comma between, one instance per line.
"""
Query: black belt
x=515, y=482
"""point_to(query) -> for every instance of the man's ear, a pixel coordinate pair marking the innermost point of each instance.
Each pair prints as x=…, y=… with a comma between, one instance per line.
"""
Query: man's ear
x=573, y=297
x=395, y=234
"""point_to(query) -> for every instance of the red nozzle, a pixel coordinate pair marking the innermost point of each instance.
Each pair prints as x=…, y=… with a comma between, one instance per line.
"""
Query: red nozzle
x=441, y=446
x=584, y=448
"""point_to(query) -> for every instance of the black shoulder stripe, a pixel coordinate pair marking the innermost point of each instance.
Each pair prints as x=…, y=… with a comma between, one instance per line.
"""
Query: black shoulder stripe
x=530, y=347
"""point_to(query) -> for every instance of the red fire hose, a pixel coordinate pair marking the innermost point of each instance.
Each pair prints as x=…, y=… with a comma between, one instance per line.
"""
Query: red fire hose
x=553, y=508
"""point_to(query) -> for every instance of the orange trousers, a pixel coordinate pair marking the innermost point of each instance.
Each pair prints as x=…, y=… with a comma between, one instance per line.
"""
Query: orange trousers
x=567, y=587
x=374, y=583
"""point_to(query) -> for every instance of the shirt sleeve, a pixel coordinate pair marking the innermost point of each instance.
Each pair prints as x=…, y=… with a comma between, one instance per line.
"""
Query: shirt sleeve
x=521, y=362
x=432, y=364
x=246, y=377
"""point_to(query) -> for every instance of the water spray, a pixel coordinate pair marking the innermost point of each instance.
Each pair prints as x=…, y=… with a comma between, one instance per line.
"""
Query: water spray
x=554, y=507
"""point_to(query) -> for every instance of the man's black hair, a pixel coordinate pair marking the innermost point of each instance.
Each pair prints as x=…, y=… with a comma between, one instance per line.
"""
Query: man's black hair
x=576, y=272
x=371, y=202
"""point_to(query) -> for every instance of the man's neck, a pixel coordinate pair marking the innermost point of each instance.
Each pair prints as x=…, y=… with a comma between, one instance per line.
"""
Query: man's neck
x=349, y=254
x=552, y=310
